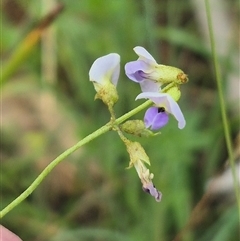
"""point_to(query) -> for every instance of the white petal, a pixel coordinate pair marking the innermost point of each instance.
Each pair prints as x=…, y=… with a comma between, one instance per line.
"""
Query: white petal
x=165, y=100
x=150, y=86
x=144, y=54
x=154, y=96
x=176, y=111
x=105, y=68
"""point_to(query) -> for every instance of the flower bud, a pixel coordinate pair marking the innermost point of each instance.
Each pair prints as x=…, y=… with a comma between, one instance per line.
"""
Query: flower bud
x=104, y=74
x=137, y=128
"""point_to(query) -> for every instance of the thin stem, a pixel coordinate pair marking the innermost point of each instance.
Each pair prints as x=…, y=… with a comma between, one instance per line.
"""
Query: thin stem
x=50, y=167
x=61, y=157
x=133, y=112
x=150, y=14
x=222, y=104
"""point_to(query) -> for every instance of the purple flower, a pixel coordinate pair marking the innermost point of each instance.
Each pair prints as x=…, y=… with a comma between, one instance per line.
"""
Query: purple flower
x=144, y=70
x=157, y=116
x=151, y=75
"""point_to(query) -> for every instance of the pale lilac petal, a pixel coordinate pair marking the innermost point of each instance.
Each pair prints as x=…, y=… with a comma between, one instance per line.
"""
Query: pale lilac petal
x=135, y=70
x=105, y=68
x=150, y=116
x=152, y=190
x=144, y=55
x=160, y=121
x=150, y=86
x=154, y=119
x=145, y=68
x=166, y=101
x=154, y=96
x=175, y=110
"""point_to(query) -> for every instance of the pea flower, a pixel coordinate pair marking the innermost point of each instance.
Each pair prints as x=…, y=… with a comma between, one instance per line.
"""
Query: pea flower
x=157, y=116
x=104, y=74
x=146, y=179
x=137, y=158
x=151, y=75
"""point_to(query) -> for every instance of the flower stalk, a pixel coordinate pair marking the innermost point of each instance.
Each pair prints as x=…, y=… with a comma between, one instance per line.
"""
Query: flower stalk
x=104, y=74
x=223, y=106
x=102, y=130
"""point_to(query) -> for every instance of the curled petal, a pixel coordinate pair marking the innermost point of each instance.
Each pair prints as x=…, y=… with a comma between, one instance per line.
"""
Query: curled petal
x=139, y=71
x=105, y=68
x=155, y=119
x=144, y=71
x=136, y=70
x=144, y=55
x=150, y=188
x=166, y=101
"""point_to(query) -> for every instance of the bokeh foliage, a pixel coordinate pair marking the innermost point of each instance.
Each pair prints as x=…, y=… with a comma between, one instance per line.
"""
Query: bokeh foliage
x=91, y=196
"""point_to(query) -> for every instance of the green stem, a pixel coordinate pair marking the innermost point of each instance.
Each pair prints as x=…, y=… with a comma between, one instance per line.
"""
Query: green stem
x=133, y=112
x=150, y=23
x=222, y=104
x=56, y=161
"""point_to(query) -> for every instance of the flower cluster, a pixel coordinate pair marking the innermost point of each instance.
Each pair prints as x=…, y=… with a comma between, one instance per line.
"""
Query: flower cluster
x=151, y=76
x=159, y=83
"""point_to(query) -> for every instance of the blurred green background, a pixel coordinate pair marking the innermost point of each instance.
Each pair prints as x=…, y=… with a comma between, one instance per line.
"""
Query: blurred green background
x=48, y=105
